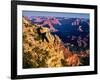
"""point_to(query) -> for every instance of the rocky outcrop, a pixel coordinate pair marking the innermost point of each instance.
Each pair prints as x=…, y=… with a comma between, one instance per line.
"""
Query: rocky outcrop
x=40, y=53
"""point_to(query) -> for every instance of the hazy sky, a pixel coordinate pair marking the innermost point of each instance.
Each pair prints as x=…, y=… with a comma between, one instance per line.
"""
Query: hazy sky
x=55, y=14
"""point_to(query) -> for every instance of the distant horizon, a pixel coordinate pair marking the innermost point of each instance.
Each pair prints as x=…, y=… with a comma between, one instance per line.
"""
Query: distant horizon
x=55, y=14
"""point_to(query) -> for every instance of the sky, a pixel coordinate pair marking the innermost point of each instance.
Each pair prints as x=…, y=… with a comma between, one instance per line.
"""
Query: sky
x=55, y=14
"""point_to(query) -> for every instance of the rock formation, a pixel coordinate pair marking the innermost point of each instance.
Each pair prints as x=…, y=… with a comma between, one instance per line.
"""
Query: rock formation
x=38, y=53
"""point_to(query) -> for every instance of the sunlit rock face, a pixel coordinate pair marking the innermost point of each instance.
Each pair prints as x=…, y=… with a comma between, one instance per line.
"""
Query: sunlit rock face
x=42, y=49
